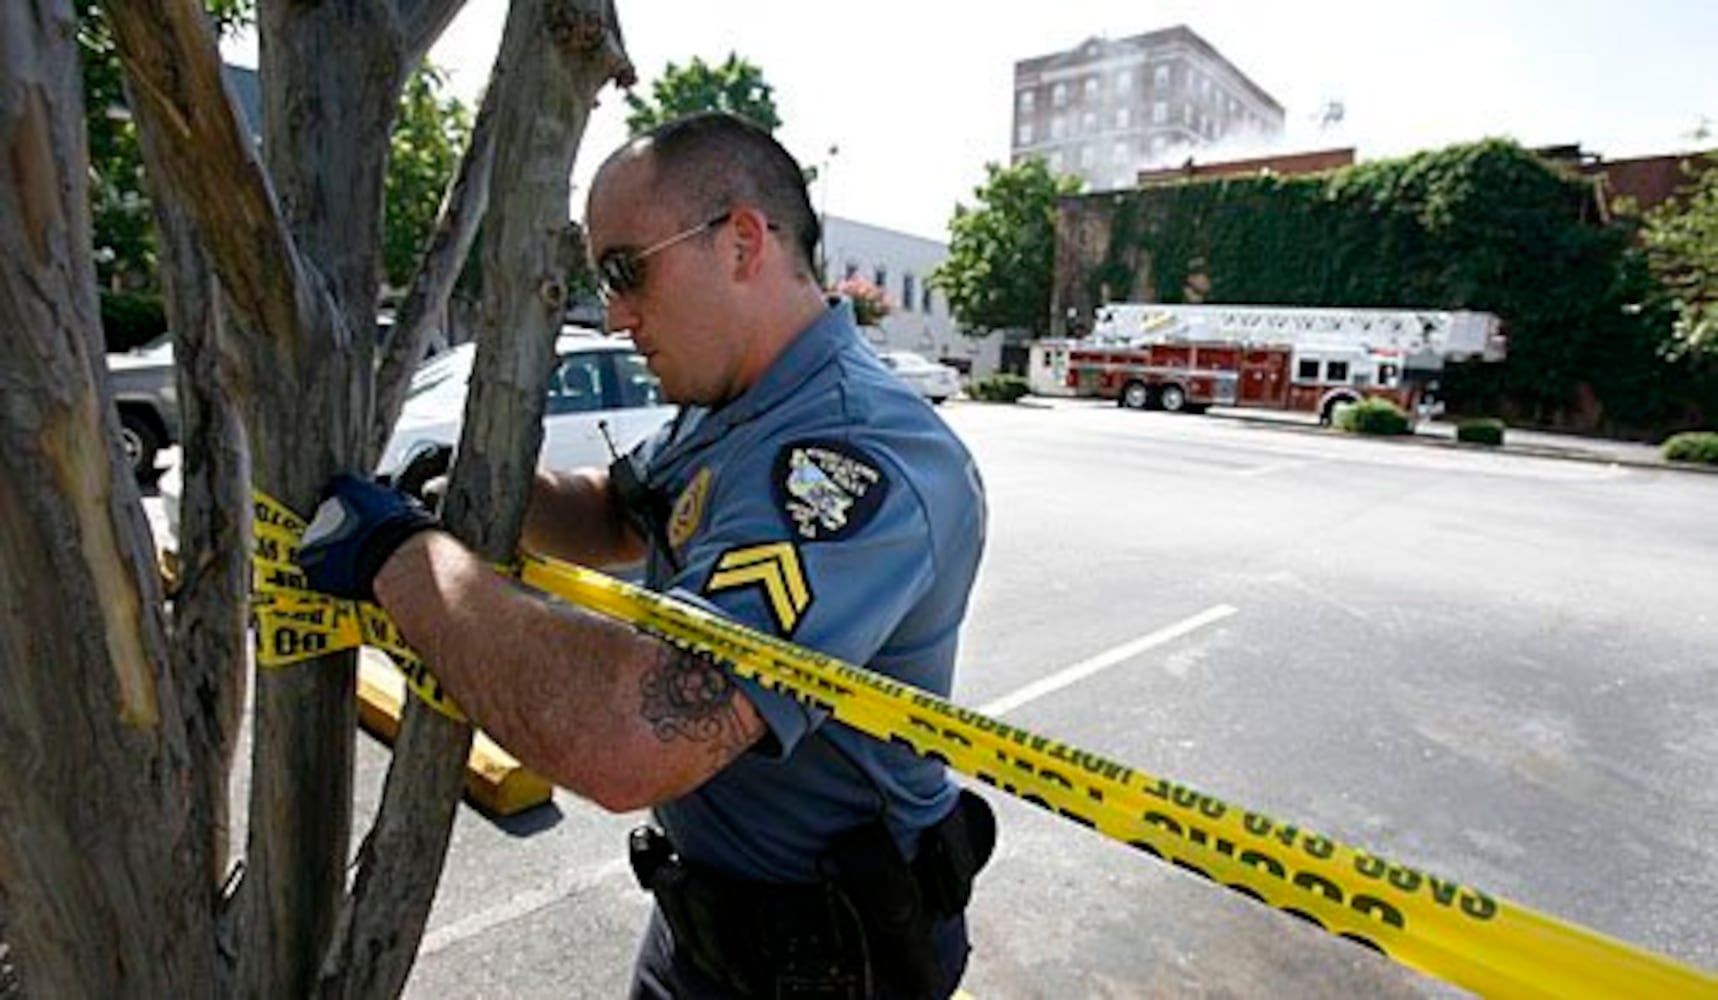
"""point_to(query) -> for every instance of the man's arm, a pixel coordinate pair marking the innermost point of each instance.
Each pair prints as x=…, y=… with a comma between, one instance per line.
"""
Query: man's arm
x=572, y=516
x=614, y=715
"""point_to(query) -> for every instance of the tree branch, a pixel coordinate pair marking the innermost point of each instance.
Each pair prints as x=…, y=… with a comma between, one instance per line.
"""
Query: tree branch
x=555, y=56
x=422, y=22
x=425, y=304
x=173, y=74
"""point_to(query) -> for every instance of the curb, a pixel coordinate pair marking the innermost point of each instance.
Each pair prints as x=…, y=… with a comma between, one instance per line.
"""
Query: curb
x=1428, y=440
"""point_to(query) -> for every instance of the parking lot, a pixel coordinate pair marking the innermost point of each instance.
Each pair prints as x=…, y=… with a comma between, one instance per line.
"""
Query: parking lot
x=1496, y=667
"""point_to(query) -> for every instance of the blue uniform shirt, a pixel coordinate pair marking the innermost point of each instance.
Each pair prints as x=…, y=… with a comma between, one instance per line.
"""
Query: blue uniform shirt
x=828, y=505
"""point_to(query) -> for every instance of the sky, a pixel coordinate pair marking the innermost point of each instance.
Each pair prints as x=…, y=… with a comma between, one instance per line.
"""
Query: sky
x=915, y=96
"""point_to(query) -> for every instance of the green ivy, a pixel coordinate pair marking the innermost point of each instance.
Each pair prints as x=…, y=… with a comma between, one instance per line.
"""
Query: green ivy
x=1484, y=226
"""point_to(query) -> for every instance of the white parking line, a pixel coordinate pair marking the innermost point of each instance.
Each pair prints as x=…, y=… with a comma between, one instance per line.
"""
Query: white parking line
x=518, y=906
x=1103, y=661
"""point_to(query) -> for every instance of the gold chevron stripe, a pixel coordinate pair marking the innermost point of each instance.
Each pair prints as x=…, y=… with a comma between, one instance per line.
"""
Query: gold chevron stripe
x=775, y=567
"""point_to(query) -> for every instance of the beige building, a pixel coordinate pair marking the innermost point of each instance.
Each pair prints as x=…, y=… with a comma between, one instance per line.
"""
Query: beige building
x=1105, y=110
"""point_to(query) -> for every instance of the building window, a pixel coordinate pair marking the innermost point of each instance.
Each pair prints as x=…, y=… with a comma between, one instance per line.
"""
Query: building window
x=1205, y=86
x=1056, y=162
x=1159, y=143
x=1059, y=95
x=1124, y=81
x=1159, y=112
x=1026, y=102
x=1123, y=118
x=907, y=291
x=1091, y=88
x=880, y=278
x=1089, y=122
x=1118, y=153
x=1187, y=114
x=925, y=298
x=852, y=270
x=1023, y=135
x=1336, y=371
x=1160, y=78
x=1306, y=370
x=1058, y=127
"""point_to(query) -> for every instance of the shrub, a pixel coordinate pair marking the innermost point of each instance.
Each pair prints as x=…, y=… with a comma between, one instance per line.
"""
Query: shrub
x=1000, y=388
x=870, y=303
x=1480, y=430
x=1372, y=416
x=131, y=320
x=1693, y=446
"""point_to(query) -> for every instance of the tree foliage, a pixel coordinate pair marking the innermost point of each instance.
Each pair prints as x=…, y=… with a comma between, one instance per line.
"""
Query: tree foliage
x=1681, y=239
x=1484, y=226
x=119, y=208
x=998, y=274
x=736, y=86
x=428, y=137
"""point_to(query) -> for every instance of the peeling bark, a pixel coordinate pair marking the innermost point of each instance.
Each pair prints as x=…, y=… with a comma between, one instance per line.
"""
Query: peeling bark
x=98, y=840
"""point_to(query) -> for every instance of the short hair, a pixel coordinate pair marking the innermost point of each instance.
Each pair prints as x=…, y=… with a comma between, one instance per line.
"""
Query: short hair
x=709, y=162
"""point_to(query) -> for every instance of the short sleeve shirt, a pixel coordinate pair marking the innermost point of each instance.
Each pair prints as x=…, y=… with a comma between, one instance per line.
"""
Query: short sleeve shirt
x=828, y=505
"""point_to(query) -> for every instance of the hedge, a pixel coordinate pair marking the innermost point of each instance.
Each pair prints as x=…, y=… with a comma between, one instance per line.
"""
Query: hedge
x=1372, y=416
x=1692, y=446
x=1480, y=430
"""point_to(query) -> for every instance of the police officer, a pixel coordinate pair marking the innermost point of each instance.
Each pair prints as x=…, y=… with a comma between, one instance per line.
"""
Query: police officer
x=802, y=490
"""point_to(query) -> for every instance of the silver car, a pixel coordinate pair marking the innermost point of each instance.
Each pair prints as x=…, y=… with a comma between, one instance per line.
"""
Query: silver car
x=933, y=380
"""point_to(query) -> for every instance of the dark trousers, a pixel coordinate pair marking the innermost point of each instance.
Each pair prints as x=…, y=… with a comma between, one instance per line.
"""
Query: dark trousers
x=663, y=972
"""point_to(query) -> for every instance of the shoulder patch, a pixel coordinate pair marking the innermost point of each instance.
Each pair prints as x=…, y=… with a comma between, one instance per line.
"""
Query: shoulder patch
x=688, y=509
x=772, y=567
x=827, y=489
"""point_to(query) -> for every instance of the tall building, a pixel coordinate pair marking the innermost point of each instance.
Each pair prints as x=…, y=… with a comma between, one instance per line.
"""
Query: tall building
x=1104, y=110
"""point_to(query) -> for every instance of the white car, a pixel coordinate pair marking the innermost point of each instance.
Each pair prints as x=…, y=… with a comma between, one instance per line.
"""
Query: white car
x=933, y=380
x=599, y=384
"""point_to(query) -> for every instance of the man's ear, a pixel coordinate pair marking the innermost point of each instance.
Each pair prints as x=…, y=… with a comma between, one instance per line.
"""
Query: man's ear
x=751, y=242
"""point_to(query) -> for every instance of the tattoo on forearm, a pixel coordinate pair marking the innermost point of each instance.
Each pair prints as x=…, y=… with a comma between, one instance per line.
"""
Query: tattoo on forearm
x=687, y=696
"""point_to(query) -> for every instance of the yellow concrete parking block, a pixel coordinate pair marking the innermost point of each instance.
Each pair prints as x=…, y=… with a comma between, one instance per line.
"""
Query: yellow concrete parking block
x=494, y=778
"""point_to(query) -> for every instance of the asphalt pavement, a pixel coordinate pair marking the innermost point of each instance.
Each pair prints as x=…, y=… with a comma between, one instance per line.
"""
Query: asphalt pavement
x=1493, y=664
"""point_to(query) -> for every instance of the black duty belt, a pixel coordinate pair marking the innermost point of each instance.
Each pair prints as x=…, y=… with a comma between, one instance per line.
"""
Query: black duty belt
x=866, y=927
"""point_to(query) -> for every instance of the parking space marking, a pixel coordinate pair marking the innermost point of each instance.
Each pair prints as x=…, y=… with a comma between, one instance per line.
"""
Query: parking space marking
x=1103, y=661
x=1265, y=470
x=521, y=905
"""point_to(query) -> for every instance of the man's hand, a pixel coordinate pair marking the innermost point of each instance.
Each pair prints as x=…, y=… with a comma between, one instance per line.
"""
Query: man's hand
x=355, y=530
x=423, y=472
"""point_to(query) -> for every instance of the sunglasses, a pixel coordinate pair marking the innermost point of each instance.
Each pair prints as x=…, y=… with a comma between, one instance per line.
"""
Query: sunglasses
x=621, y=269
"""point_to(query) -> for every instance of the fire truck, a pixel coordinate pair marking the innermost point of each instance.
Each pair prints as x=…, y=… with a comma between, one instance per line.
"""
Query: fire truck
x=1185, y=358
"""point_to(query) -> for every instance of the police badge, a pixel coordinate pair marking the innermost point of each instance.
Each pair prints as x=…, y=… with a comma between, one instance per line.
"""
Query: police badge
x=827, y=489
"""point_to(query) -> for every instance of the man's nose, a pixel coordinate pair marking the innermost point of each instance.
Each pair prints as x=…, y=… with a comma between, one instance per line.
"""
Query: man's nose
x=618, y=316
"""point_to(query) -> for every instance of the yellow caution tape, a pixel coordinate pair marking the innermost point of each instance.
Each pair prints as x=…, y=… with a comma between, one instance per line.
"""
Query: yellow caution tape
x=1436, y=925
x=295, y=624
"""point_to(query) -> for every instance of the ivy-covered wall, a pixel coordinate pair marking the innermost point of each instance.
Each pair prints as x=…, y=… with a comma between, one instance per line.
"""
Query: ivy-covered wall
x=1486, y=226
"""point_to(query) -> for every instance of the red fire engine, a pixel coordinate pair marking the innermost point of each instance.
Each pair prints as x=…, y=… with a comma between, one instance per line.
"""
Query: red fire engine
x=1191, y=375
x=1185, y=358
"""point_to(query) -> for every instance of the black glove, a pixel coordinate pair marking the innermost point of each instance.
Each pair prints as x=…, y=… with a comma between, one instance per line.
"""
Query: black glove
x=426, y=462
x=358, y=526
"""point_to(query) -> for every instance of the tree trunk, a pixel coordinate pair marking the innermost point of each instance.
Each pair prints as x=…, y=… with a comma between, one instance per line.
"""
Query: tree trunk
x=102, y=865
x=208, y=619
x=555, y=56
